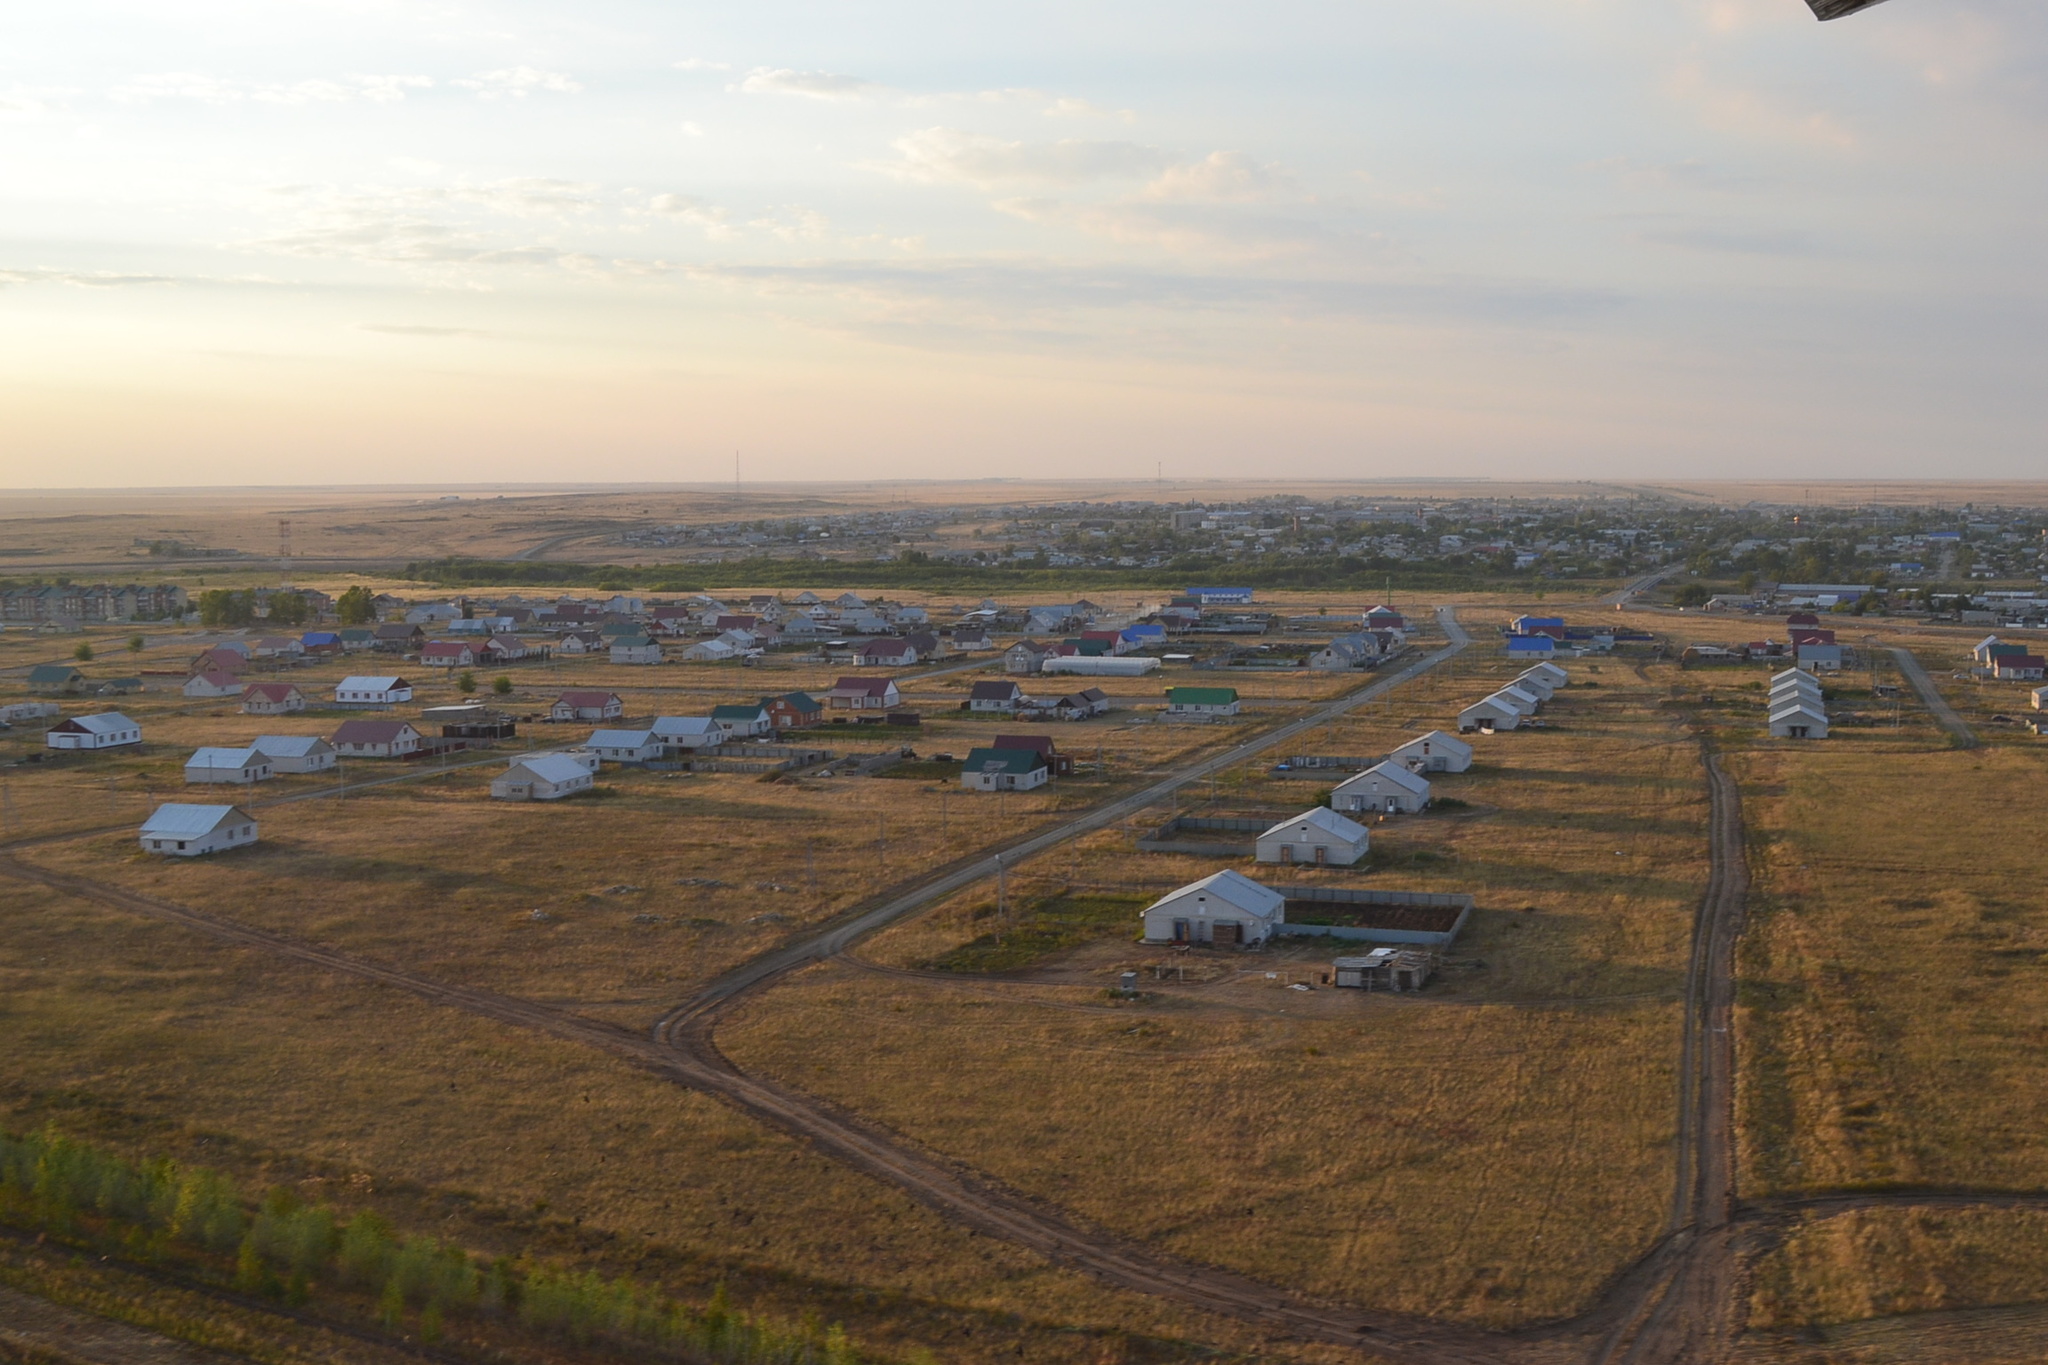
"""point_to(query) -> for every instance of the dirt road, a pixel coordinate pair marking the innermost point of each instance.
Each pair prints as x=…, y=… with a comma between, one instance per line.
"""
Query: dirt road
x=1944, y=715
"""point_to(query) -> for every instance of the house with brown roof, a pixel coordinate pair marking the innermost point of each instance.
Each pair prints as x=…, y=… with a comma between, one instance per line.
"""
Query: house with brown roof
x=1001, y=696
x=271, y=699
x=587, y=706
x=447, y=654
x=375, y=739
x=213, y=683
x=863, y=694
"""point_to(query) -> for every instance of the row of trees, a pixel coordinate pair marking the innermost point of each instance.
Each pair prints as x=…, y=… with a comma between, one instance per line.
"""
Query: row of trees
x=287, y=1248
x=226, y=607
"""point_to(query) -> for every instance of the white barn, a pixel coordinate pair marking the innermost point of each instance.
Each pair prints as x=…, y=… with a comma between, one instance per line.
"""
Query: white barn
x=107, y=730
x=1435, y=752
x=1228, y=908
x=177, y=830
x=1386, y=788
x=543, y=777
x=1320, y=837
x=213, y=764
x=1536, y=685
x=1489, y=713
x=1526, y=702
x=363, y=690
x=1554, y=674
x=295, y=753
x=1798, y=720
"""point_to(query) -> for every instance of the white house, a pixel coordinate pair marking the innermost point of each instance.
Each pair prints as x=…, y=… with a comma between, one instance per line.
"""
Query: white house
x=1320, y=836
x=1227, y=908
x=107, y=730
x=636, y=649
x=1387, y=788
x=992, y=770
x=228, y=765
x=742, y=720
x=579, y=754
x=178, y=830
x=213, y=683
x=1001, y=696
x=1798, y=720
x=587, y=706
x=375, y=739
x=1435, y=752
x=708, y=652
x=625, y=746
x=1201, y=701
x=543, y=777
x=688, y=732
x=295, y=753
x=272, y=699
x=1489, y=713
x=362, y=690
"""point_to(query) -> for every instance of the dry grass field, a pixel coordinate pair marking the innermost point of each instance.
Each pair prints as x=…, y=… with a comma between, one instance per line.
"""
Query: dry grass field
x=1491, y=1150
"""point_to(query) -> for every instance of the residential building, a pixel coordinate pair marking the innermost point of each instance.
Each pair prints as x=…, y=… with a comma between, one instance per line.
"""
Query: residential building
x=793, y=710
x=541, y=777
x=688, y=732
x=54, y=680
x=1002, y=697
x=447, y=654
x=1320, y=836
x=179, y=830
x=988, y=770
x=268, y=698
x=1089, y=701
x=743, y=720
x=107, y=730
x=635, y=649
x=1026, y=656
x=213, y=683
x=295, y=753
x=886, y=653
x=863, y=694
x=375, y=739
x=587, y=706
x=1201, y=701
x=625, y=746
x=372, y=690
x=245, y=765
x=1227, y=909
x=1385, y=788
x=2019, y=667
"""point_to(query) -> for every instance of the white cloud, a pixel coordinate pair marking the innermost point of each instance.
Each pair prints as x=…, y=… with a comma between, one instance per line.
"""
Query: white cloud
x=692, y=130
x=1755, y=113
x=204, y=89
x=82, y=279
x=816, y=85
x=1071, y=106
x=518, y=82
x=949, y=154
x=691, y=211
x=699, y=64
x=1220, y=177
x=529, y=197
x=794, y=224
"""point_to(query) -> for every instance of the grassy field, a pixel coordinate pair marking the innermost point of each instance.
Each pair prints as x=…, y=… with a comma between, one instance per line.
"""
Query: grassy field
x=1490, y=1150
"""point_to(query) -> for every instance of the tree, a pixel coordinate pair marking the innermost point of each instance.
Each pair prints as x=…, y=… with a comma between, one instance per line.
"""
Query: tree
x=502, y=685
x=356, y=607
x=467, y=682
x=135, y=644
x=288, y=609
x=225, y=607
x=1692, y=595
x=83, y=653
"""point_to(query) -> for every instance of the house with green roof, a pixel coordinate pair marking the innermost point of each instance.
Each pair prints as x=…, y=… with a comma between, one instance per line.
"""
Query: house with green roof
x=994, y=770
x=53, y=679
x=743, y=720
x=1201, y=701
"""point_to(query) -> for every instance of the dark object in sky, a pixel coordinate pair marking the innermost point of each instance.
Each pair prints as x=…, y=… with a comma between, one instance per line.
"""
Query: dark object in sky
x=1836, y=9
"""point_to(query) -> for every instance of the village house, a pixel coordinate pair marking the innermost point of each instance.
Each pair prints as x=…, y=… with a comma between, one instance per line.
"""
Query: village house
x=212, y=684
x=278, y=647
x=793, y=710
x=270, y=699
x=1820, y=658
x=968, y=638
x=1384, y=618
x=886, y=653
x=295, y=753
x=625, y=746
x=246, y=765
x=709, y=652
x=635, y=649
x=1002, y=697
x=1061, y=764
x=218, y=659
x=178, y=830
x=579, y=642
x=541, y=777
x=1346, y=652
x=1201, y=701
x=447, y=654
x=742, y=720
x=1385, y=788
x=863, y=694
x=587, y=706
x=688, y=732
x=1521, y=647
x=1435, y=752
x=1089, y=701
x=369, y=690
x=1227, y=909
x=55, y=680
x=355, y=639
x=321, y=644
x=989, y=770
x=2019, y=668
x=1026, y=656
x=107, y=730
x=1320, y=836
x=395, y=637
x=375, y=739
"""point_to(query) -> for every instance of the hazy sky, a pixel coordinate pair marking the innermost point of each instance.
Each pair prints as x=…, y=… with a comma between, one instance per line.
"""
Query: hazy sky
x=295, y=242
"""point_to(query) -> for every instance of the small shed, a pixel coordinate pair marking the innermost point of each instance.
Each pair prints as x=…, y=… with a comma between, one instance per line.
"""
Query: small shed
x=1226, y=909
x=1320, y=837
x=542, y=777
x=246, y=766
x=178, y=830
x=295, y=753
x=1435, y=752
x=1384, y=969
x=1385, y=788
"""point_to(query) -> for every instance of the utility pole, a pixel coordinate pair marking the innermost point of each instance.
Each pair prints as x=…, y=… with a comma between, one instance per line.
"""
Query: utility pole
x=284, y=552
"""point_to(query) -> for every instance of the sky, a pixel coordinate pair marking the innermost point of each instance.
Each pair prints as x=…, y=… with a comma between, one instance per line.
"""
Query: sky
x=444, y=240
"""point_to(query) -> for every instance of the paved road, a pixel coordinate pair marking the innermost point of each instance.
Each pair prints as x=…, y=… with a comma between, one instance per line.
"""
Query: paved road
x=1629, y=591
x=1944, y=715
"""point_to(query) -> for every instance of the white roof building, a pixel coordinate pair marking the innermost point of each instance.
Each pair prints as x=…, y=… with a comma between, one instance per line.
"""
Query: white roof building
x=1224, y=909
x=1385, y=788
x=1435, y=752
x=1528, y=703
x=688, y=732
x=1320, y=837
x=625, y=746
x=106, y=730
x=228, y=765
x=1489, y=713
x=378, y=691
x=1798, y=720
x=179, y=830
x=295, y=753
x=542, y=777
x=1554, y=674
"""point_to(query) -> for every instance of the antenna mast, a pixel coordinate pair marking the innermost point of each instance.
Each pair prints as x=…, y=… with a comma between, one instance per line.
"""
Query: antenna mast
x=284, y=552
